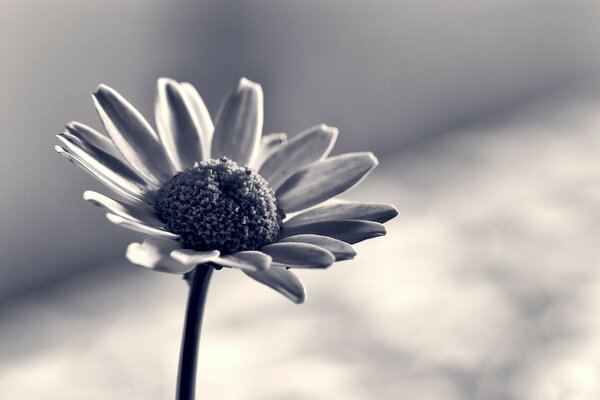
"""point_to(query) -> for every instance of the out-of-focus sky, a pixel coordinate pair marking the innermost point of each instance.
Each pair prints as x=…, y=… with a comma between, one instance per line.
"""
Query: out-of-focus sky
x=483, y=115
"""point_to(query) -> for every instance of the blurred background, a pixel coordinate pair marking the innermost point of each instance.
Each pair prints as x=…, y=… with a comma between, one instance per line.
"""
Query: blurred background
x=485, y=118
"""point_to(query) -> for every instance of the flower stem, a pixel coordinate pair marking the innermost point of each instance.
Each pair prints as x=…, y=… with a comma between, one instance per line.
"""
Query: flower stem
x=188, y=359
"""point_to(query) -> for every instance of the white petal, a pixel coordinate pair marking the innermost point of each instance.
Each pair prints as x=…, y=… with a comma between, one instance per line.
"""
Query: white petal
x=268, y=144
x=122, y=209
x=142, y=201
x=92, y=138
x=349, y=230
x=299, y=255
x=140, y=227
x=96, y=138
x=155, y=254
x=193, y=257
x=348, y=210
x=178, y=127
x=305, y=148
x=245, y=260
x=340, y=250
x=206, y=125
x=133, y=135
x=105, y=163
x=283, y=281
x=238, y=125
x=323, y=180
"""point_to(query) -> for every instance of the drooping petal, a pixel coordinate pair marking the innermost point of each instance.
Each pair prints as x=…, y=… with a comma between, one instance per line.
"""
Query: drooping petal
x=305, y=148
x=122, y=209
x=346, y=210
x=340, y=250
x=140, y=227
x=238, y=125
x=202, y=115
x=154, y=254
x=103, y=162
x=349, y=230
x=245, y=260
x=299, y=255
x=268, y=144
x=283, y=281
x=133, y=135
x=110, y=183
x=178, y=127
x=192, y=257
x=323, y=180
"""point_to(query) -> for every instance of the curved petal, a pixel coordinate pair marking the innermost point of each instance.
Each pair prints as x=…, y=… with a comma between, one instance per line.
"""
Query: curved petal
x=245, y=260
x=346, y=210
x=111, y=184
x=323, y=180
x=305, y=148
x=92, y=136
x=281, y=280
x=340, y=250
x=121, y=209
x=154, y=254
x=140, y=227
x=132, y=135
x=103, y=162
x=178, y=127
x=348, y=230
x=238, y=125
x=299, y=255
x=191, y=258
x=202, y=115
x=268, y=144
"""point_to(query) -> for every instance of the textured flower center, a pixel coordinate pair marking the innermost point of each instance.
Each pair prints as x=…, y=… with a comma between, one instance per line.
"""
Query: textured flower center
x=218, y=205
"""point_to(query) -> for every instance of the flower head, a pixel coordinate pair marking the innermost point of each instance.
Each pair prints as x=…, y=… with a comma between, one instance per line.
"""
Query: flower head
x=221, y=193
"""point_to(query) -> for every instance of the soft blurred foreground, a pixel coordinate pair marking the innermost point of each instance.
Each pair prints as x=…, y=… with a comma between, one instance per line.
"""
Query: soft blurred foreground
x=486, y=287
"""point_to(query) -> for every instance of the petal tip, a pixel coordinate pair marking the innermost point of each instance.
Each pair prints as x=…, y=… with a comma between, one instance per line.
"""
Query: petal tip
x=163, y=80
x=378, y=229
x=393, y=213
x=300, y=299
x=250, y=87
x=280, y=137
x=101, y=88
x=166, y=84
x=132, y=250
x=73, y=125
x=348, y=256
x=330, y=129
x=374, y=161
x=247, y=83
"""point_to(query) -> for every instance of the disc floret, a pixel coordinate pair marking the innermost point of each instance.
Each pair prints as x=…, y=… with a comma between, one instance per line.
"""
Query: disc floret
x=218, y=205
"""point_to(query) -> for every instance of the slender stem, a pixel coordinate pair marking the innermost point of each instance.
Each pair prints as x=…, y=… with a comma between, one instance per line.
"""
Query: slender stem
x=188, y=359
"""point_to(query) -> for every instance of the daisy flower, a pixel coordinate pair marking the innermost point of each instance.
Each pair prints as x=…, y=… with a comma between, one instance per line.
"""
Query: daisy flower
x=221, y=194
